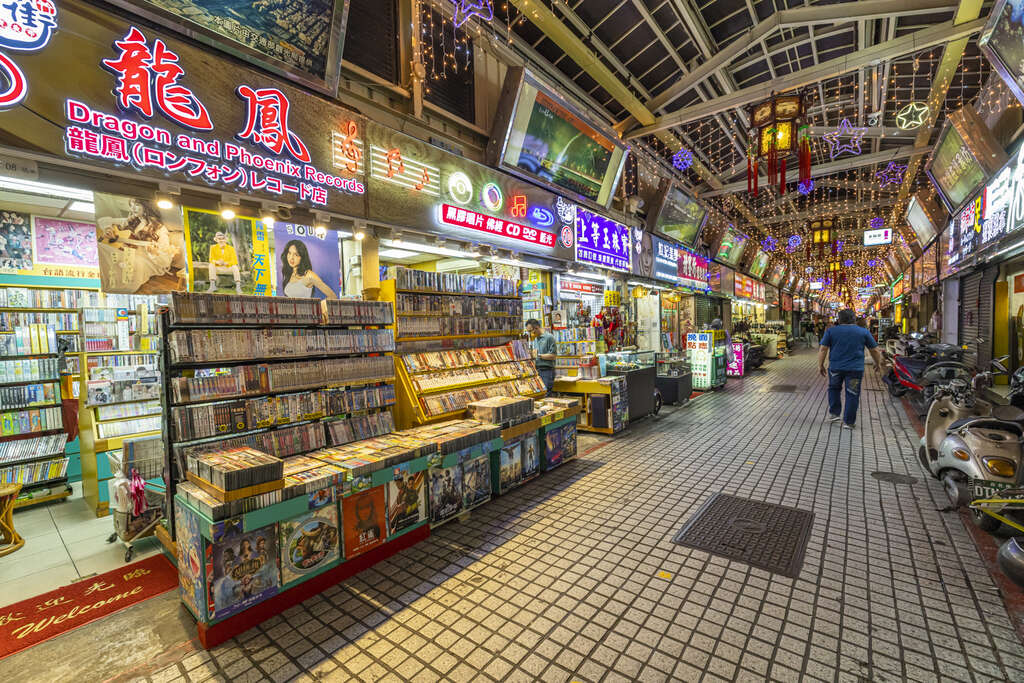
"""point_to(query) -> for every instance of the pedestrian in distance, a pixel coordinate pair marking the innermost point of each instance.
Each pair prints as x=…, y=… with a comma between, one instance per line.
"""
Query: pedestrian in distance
x=844, y=346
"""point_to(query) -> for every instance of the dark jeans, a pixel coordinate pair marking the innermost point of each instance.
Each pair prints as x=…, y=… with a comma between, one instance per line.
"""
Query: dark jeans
x=853, y=380
x=547, y=375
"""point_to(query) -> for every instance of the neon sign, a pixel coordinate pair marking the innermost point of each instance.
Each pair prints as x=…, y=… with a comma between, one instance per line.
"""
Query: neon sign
x=491, y=197
x=25, y=26
x=466, y=218
x=541, y=217
x=389, y=165
x=517, y=207
x=460, y=188
x=347, y=148
x=601, y=241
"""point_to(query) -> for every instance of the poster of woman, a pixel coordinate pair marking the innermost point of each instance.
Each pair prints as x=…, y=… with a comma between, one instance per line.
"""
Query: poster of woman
x=141, y=248
x=228, y=256
x=307, y=261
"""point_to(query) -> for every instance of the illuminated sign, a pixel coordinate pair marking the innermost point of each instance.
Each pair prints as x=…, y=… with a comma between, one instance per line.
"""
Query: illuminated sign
x=601, y=241
x=748, y=287
x=678, y=265
x=389, y=165
x=347, y=148
x=873, y=238
x=968, y=225
x=517, y=206
x=25, y=26
x=460, y=188
x=541, y=217
x=491, y=197
x=817, y=284
x=148, y=82
x=465, y=218
x=580, y=287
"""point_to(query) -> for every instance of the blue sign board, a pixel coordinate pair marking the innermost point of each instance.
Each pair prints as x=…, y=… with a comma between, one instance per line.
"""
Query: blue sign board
x=601, y=241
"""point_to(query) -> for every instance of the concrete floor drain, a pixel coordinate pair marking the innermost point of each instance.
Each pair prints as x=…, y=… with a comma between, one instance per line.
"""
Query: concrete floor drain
x=893, y=478
x=764, y=535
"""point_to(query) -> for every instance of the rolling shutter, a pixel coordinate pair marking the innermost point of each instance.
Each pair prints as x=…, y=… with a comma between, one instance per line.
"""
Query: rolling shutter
x=705, y=312
x=986, y=307
x=970, y=323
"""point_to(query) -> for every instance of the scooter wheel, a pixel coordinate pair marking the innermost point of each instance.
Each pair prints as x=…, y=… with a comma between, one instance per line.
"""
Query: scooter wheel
x=922, y=455
x=1011, y=560
x=955, y=485
x=986, y=523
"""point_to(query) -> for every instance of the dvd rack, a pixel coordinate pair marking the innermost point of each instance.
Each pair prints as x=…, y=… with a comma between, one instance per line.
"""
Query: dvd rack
x=282, y=376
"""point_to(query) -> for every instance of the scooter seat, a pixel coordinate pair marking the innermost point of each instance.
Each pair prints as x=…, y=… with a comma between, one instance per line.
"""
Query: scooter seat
x=986, y=423
x=915, y=366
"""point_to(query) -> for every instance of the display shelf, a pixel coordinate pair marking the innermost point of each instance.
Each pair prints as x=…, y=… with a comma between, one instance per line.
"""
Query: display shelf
x=34, y=458
x=278, y=392
x=482, y=335
x=26, y=502
x=437, y=293
x=42, y=380
x=18, y=309
x=44, y=484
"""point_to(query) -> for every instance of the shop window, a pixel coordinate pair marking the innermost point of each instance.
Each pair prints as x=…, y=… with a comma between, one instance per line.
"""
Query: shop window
x=448, y=58
x=371, y=37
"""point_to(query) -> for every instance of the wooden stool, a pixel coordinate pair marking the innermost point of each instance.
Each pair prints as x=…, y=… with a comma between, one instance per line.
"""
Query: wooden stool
x=9, y=538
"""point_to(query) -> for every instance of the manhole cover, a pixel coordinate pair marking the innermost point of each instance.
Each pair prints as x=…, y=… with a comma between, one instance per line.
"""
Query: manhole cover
x=785, y=388
x=893, y=478
x=764, y=535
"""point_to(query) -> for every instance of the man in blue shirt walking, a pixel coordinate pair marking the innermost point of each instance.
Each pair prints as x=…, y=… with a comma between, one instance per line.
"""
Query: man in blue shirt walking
x=844, y=345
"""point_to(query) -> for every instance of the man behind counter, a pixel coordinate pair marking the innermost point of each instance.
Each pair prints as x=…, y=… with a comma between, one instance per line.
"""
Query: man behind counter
x=543, y=345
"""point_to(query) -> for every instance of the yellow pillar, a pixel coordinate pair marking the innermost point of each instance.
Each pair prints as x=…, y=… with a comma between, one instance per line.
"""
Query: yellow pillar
x=370, y=264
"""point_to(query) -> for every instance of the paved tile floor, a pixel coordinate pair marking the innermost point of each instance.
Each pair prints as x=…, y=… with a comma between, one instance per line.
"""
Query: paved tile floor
x=574, y=577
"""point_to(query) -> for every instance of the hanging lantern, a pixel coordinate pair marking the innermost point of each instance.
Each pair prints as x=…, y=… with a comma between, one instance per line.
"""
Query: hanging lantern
x=779, y=131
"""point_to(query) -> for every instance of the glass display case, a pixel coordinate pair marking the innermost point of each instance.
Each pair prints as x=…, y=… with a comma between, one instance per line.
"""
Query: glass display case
x=674, y=379
x=638, y=367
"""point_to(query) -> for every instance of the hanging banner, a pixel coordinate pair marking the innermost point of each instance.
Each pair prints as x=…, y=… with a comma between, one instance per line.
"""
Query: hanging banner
x=134, y=98
x=141, y=248
x=227, y=256
x=307, y=262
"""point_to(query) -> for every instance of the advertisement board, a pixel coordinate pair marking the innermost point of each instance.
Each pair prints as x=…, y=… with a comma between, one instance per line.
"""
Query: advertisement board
x=600, y=241
x=874, y=238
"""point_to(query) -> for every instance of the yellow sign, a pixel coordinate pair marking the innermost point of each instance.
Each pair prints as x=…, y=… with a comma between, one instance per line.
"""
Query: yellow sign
x=612, y=297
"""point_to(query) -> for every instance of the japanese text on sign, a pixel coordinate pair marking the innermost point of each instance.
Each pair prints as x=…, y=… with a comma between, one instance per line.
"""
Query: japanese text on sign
x=464, y=218
x=147, y=83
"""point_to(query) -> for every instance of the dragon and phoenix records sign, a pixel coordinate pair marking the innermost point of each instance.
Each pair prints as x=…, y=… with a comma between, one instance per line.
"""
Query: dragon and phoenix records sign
x=96, y=87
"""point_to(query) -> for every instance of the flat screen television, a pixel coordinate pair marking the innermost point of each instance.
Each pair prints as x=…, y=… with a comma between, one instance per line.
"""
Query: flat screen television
x=919, y=221
x=955, y=173
x=540, y=136
x=1001, y=42
x=676, y=214
x=759, y=264
x=777, y=273
x=731, y=248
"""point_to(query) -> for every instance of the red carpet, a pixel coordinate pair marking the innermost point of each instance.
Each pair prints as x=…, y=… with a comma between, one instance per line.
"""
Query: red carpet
x=46, y=616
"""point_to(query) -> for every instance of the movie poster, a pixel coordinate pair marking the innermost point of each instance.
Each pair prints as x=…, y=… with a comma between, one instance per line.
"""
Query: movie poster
x=568, y=441
x=531, y=456
x=141, y=248
x=363, y=519
x=476, y=481
x=553, y=452
x=190, y=568
x=15, y=241
x=407, y=502
x=306, y=261
x=309, y=543
x=244, y=568
x=228, y=256
x=511, y=459
x=445, y=492
x=64, y=242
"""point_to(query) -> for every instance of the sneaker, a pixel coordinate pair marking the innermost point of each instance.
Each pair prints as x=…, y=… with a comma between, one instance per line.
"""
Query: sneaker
x=847, y=426
x=834, y=418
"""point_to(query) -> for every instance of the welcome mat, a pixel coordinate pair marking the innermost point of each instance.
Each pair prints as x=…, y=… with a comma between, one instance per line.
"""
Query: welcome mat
x=46, y=616
x=764, y=535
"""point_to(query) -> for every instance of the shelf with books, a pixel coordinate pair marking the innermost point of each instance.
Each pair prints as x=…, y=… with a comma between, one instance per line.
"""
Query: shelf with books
x=283, y=376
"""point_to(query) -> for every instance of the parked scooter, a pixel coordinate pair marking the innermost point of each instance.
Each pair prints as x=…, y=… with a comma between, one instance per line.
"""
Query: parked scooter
x=970, y=438
x=918, y=373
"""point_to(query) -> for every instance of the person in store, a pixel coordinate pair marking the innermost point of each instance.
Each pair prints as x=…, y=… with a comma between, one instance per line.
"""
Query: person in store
x=223, y=259
x=297, y=271
x=543, y=345
x=843, y=344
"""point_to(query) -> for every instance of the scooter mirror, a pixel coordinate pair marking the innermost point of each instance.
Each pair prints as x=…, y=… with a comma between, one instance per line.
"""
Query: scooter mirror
x=998, y=365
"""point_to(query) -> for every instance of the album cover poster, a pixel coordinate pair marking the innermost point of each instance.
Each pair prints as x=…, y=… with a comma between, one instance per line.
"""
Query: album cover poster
x=309, y=542
x=553, y=452
x=511, y=473
x=140, y=247
x=531, y=456
x=190, y=552
x=407, y=502
x=245, y=569
x=569, y=441
x=476, y=481
x=363, y=520
x=445, y=492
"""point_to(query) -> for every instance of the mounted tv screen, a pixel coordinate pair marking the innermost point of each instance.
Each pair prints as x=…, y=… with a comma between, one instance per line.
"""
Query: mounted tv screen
x=541, y=137
x=954, y=171
x=778, y=270
x=919, y=221
x=677, y=215
x=760, y=264
x=1001, y=42
x=731, y=248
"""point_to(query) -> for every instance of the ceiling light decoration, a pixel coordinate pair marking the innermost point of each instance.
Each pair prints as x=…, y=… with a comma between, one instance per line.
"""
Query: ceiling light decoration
x=769, y=244
x=794, y=243
x=805, y=187
x=913, y=115
x=779, y=130
x=877, y=223
x=837, y=147
x=872, y=263
x=848, y=263
x=891, y=174
x=467, y=9
x=683, y=159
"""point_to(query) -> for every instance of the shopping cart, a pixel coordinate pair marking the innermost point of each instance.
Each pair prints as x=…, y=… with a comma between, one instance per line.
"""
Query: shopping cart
x=133, y=519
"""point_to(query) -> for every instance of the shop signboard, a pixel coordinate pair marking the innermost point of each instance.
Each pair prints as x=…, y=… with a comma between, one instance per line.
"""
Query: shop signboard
x=874, y=238
x=692, y=270
x=771, y=295
x=415, y=184
x=749, y=288
x=134, y=98
x=721, y=278
x=968, y=227
x=600, y=241
x=566, y=285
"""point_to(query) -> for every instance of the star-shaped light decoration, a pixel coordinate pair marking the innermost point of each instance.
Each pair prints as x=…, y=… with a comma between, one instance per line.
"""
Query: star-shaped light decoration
x=794, y=243
x=912, y=116
x=769, y=244
x=877, y=223
x=836, y=147
x=682, y=159
x=848, y=262
x=466, y=9
x=872, y=263
x=891, y=174
x=806, y=187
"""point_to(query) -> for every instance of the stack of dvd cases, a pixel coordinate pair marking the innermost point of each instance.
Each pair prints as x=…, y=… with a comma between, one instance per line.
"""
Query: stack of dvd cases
x=189, y=308
x=236, y=468
x=357, y=312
